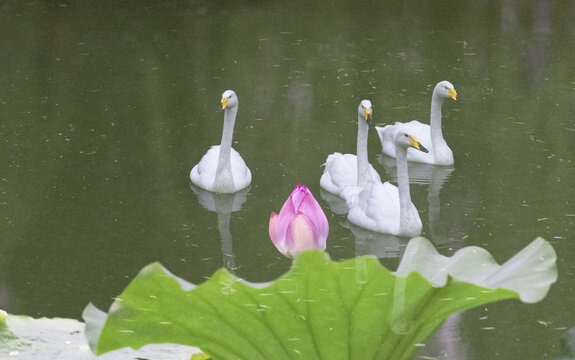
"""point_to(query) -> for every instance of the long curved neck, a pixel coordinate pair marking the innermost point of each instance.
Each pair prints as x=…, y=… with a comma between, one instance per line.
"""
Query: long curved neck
x=224, y=169
x=403, y=187
x=362, y=161
x=435, y=120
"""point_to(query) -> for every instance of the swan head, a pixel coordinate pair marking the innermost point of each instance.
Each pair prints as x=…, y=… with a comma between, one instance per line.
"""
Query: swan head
x=364, y=111
x=445, y=89
x=405, y=140
x=229, y=100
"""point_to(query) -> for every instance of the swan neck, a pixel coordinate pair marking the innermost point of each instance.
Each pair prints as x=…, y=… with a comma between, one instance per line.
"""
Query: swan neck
x=403, y=188
x=435, y=119
x=362, y=160
x=224, y=162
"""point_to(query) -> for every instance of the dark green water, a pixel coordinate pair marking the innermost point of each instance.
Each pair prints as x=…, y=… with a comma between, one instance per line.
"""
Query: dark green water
x=105, y=108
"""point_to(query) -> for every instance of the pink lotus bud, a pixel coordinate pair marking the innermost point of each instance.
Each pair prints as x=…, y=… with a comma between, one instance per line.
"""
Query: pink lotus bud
x=301, y=224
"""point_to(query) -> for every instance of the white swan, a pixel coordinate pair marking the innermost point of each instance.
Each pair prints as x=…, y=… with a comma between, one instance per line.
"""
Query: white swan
x=384, y=207
x=222, y=169
x=439, y=151
x=343, y=170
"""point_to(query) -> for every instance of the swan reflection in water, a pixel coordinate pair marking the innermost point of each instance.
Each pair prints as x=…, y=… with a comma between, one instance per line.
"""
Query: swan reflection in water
x=381, y=245
x=223, y=205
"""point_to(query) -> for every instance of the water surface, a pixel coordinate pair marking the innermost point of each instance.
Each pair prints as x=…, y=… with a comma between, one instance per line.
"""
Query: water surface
x=105, y=109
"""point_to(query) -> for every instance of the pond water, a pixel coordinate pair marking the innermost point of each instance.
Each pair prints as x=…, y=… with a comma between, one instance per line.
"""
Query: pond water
x=104, y=109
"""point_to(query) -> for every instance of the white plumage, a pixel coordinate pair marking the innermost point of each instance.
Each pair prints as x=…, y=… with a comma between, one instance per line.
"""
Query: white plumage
x=385, y=208
x=343, y=170
x=222, y=168
x=439, y=151
x=376, y=208
x=204, y=173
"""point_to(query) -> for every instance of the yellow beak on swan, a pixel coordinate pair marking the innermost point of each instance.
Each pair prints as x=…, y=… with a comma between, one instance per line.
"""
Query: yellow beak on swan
x=414, y=142
x=367, y=115
x=225, y=102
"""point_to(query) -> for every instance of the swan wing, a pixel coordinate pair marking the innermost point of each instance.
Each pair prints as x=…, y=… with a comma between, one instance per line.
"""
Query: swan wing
x=240, y=171
x=341, y=171
x=376, y=208
x=204, y=173
x=386, y=137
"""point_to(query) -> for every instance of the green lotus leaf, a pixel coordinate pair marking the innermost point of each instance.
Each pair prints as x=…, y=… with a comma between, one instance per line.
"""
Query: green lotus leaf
x=529, y=272
x=320, y=309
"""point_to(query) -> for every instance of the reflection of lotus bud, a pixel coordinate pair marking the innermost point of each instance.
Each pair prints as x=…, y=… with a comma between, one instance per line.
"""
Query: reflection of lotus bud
x=301, y=224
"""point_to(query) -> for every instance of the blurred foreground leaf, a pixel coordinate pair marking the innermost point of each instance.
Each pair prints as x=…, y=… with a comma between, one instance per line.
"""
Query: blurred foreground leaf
x=23, y=337
x=568, y=345
x=320, y=309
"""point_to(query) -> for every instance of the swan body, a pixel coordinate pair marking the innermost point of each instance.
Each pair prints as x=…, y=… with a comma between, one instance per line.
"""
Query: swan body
x=204, y=174
x=385, y=208
x=439, y=152
x=222, y=168
x=340, y=172
x=343, y=170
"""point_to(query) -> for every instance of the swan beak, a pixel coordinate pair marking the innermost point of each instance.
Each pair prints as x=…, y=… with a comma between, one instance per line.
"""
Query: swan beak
x=414, y=142
x=368, y=117
x=225, y=102
x=452, y=94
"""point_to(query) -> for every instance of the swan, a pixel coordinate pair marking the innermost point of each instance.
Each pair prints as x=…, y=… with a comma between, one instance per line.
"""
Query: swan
x=222, y=169
x=439, y=152
x=344, y=170
x=385, y=208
